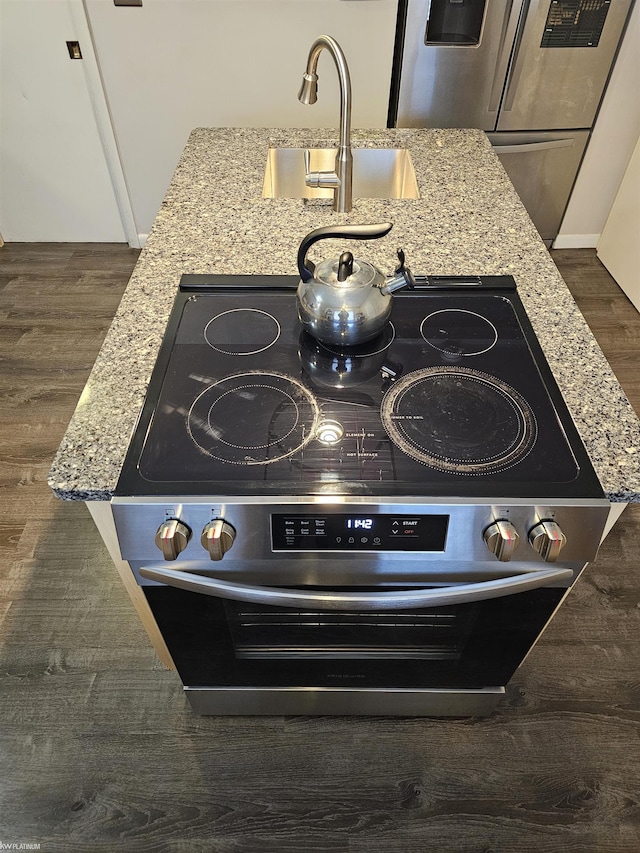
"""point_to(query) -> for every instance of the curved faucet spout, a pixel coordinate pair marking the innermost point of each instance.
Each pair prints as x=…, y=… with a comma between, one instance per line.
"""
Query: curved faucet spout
x=308, y=95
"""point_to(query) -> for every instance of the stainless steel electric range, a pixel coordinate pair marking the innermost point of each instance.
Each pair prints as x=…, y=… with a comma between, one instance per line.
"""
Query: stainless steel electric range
x=381, y=529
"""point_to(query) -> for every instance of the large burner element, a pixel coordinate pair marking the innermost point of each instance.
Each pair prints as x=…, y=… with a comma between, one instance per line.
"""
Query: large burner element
x=459, y=420
x=253, y=418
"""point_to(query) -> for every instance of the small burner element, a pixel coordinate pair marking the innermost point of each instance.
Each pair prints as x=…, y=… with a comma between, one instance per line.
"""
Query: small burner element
x=242, y=331
x=457, y=333
x=253, y=418
x=459, y=420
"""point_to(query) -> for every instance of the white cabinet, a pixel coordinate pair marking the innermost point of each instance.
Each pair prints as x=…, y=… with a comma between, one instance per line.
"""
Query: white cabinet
x=619, y=244
x=55, y=183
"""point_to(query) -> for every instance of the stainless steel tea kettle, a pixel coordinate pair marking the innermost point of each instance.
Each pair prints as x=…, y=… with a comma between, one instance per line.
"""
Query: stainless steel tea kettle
x=346, y=300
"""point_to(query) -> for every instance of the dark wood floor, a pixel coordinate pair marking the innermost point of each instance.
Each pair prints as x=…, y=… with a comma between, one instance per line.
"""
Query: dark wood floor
x=98, y=751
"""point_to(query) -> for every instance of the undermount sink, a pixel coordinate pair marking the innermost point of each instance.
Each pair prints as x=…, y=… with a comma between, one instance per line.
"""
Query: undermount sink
x=377, y=173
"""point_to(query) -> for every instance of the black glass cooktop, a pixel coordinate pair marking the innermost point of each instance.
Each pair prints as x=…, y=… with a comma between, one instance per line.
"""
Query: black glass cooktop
x=452, y=398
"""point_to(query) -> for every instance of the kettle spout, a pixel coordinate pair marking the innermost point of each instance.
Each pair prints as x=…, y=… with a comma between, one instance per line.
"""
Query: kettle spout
x=395, y=283
x=402, y=278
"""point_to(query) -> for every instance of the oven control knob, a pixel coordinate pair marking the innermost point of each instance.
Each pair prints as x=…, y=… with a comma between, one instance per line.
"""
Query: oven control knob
x=547, y=539
x=172, y=538
x=217, y=537
x=501, y=538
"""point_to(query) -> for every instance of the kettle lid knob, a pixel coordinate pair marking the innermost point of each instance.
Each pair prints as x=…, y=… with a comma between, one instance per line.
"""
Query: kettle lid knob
x=345, y=266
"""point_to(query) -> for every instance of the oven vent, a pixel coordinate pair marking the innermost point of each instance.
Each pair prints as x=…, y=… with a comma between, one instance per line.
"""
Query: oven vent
x=447, y=281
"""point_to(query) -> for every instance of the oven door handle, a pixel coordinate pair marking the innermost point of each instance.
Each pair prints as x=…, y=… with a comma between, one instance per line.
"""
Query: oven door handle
x=336, y=600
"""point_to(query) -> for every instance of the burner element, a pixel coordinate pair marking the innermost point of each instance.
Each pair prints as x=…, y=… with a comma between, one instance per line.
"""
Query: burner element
x=253, y=418
x=333, y=366
x=374, y=346
x=456, y=333
x=242, y=331
x=459, y=420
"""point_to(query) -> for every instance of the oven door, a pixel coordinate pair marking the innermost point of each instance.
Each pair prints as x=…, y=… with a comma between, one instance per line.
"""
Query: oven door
x=245, y=648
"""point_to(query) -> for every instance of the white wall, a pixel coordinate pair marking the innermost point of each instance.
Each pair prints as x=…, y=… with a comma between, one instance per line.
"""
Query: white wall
x=609, y=151
x=619, y=243
x=54, y=180
x=172, y=65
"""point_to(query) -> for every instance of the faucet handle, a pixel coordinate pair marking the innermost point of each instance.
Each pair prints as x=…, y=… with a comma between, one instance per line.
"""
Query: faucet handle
x=325, y=180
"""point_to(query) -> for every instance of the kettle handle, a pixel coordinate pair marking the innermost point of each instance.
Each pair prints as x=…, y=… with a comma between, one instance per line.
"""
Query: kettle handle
x=345, y=232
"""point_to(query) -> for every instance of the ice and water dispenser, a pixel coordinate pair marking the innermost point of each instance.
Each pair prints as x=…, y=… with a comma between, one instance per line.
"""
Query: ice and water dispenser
x=455, y=22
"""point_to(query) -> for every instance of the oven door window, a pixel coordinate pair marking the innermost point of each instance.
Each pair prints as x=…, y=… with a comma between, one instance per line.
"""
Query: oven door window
x=216, y=643
x=261, y=632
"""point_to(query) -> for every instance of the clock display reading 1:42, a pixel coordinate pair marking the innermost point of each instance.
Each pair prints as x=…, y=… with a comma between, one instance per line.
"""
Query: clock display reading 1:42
x=359, y=523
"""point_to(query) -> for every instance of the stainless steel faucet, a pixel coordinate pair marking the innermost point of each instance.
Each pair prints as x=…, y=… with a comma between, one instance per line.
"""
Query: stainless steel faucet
x=341, y=179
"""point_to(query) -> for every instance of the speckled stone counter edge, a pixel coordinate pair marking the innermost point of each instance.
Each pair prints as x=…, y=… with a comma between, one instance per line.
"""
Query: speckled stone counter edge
x=213, y=219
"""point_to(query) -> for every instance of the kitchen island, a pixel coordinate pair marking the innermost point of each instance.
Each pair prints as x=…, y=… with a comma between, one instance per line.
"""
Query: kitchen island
x=468, y=220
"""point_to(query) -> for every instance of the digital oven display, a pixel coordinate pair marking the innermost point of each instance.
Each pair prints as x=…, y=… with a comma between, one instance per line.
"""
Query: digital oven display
x=347, y=532
x=359, y=523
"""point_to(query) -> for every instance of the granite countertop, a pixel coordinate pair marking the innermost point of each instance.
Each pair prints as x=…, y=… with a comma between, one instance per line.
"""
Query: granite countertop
x=213, y=219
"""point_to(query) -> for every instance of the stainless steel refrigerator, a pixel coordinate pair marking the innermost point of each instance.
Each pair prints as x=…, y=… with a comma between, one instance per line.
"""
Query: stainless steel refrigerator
x=529, y=72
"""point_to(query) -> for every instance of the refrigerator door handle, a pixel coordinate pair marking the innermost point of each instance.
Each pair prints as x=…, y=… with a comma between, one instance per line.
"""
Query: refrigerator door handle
x=517, y=62
x=534, y=146
x=510, y=24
